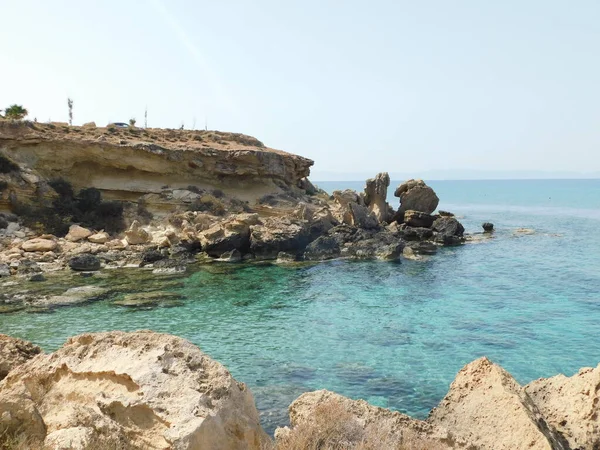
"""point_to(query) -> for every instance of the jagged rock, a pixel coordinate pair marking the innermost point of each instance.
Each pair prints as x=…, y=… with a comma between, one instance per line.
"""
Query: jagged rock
x=146, y=389
x=415, y=233
x=376, y=194
x=73, y=296
x=418, y=219
x=136, y=235
x=278, y=235
x=487, y=227
x=77, y=233
x=151, y=255
x=449, y=231
x=84, y=262
x=226, y=236
x=416, y=195
x=352, y=211
x=14, y=352
x=486, y=407
x=323, y=248
x=39, y=245
x=571, y=406
x=307, y=186
x=323, y=419
x=99, y=238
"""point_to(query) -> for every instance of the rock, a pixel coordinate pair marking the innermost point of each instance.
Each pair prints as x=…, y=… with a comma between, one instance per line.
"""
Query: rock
x=77, y=233
x=150, y=256
x=146, y=389
x=307, y=186
x=375, y=196
x=84, y=262
x=486, y=407
x=3, y=223
x=352, y=211
x=226, y=236
x=415, y=233
x=418, y=219
x=12, y=228
x=449, y=231
x=39, y=245
x=326, y=420
x=416, y=195
x=73, y=296
x=89, y=125
x=571, y=406
x=278, y=235
x=4, y=270
x=445, y=214
x=169, y=267
x=99, y=238
x=286, y=258
x=136, y=235
x=153, y=298
x=37, y=277
x=323, y=248
x=231, y=256
x=419, y=248
x=14, y=352
x=28, y=267
x=487, y=227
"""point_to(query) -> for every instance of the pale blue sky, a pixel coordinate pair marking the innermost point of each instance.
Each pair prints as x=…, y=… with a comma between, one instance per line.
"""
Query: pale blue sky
x=360, y=87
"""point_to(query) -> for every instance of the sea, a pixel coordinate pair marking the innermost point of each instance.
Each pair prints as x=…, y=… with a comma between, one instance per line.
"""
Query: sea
x=392, y=333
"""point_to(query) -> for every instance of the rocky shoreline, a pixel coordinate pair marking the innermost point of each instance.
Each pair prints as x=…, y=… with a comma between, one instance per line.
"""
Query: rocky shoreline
x=149, y=390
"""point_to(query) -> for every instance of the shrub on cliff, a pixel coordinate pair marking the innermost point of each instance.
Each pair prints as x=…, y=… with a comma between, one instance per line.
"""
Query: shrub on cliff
x=15, y=112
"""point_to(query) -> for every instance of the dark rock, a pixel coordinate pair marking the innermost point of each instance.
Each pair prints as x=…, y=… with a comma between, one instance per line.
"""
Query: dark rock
x=231, y=256
x=4, y=270
x=449, y=240
x=418, y=219
x=9, y=217
x=448, y=226
x=445, y=214
x=37, y=277
x=28, y=267
x=322, y=248
x=423, y=248
x=415, y=233
x=150, y=256
x=279, y=235
x=307, y=186
x=84, y=263
x=286, y=257
x=3, y=223
x=488, y=227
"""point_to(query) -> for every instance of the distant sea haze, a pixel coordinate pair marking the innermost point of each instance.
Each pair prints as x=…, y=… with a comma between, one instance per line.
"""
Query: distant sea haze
x=318, y=175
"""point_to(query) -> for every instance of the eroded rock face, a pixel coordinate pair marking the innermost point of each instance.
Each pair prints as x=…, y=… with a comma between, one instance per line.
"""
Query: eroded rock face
x=326, y=418
x=416, y=195
x=14, y=352
x=150, y=390
x=376, y=194
x=279, y=235
x=137, y=235
x=488, y=408
x=571, y=405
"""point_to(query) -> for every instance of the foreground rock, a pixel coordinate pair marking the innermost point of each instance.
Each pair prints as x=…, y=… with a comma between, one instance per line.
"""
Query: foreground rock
x=14, y=352
x=143, y=389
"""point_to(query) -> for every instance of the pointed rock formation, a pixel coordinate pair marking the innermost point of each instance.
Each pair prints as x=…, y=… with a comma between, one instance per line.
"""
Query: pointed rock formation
x=375, y=196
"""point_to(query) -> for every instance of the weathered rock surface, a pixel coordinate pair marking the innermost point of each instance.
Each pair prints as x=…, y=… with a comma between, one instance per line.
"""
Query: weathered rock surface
x=99, y=238
x=136, y=235
x=487, y=408
x=77, y=233
x=339, y=422
x=418, y=219
x=449, y=231
x=416, y=195
x=148, y=390
x=84, y=262
x=571, y=406
x=276, y=235
x=14, y=352
x=39, y=245
x=375, y=196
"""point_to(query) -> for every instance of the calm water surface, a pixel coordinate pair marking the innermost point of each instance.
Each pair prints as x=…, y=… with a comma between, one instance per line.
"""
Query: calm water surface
x=394, y=334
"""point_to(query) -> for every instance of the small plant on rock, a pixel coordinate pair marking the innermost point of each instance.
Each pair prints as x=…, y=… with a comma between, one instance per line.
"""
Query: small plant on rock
x=15, y=112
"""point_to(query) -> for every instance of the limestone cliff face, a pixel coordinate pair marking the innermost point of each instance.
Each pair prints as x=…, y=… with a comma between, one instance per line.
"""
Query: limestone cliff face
x=126, y=163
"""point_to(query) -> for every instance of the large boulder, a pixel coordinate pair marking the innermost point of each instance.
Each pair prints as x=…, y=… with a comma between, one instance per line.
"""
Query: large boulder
x=279, y=235
x=323, y=419
x=416, y=195
x=486, y=407
x=99, y=238
x=39, y=245
x=351, y=210
x=233, y=234
x=137, y=235
x=376, y=194
x=571, y=406
x=449, y=231
x=77, y=233
x=145, y=389
x=84, y=262
x=14, y=352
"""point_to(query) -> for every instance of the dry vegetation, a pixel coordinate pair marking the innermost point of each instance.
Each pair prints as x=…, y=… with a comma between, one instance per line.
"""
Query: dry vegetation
x=334, y=428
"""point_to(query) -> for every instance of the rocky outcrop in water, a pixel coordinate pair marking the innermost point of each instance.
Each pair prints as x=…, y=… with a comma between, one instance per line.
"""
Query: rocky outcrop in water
x=142, y=389
x=417, y=196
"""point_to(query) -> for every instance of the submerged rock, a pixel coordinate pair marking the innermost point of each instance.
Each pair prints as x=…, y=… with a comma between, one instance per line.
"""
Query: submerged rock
x=73, y=296
x=153, y=298
x=487, y=227
x=146, y=389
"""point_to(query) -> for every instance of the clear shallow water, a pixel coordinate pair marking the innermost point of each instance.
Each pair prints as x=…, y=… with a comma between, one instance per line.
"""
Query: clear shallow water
x=394, y=334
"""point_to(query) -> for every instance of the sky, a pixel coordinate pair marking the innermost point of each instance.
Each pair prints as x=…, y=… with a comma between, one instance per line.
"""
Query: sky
x=461, y=89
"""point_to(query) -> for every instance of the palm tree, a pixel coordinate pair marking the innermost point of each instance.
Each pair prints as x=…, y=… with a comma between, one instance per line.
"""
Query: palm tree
x=15, y=112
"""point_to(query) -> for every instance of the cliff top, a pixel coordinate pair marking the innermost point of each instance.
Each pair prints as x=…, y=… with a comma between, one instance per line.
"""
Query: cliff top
x=191, y=140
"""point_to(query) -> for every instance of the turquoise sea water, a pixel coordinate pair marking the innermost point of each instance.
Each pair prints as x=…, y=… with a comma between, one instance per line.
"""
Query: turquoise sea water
x=394, y=334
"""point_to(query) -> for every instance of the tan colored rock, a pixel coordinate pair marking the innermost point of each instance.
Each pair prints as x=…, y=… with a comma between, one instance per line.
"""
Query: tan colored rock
x=39, y=245
x=488, y=408
x=416, y=195
x=14, y=352
x=571, y=405
x=150, y=390
x=375, y=196
x=99, y=238
x=136, y=235
x=117, y=244
x=323, y=419
x=77, y=233
x=89, y=125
